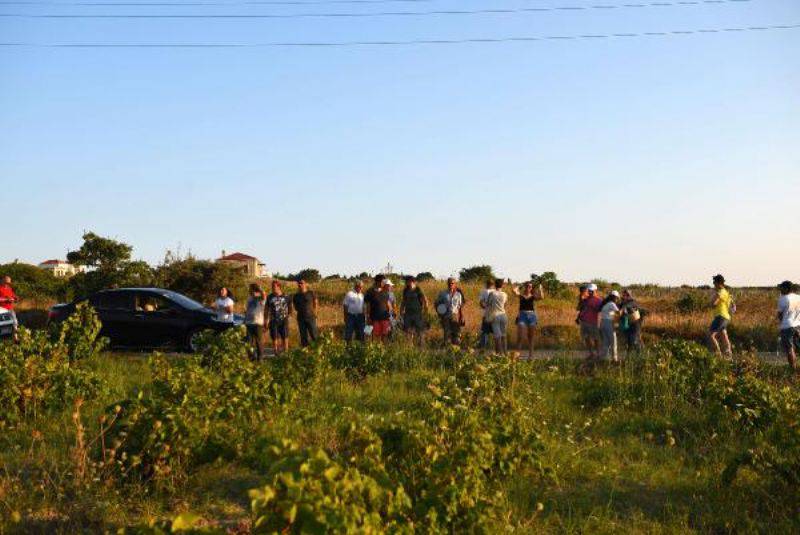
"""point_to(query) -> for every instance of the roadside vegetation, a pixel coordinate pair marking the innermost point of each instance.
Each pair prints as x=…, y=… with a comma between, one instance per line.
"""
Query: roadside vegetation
x=372, y=439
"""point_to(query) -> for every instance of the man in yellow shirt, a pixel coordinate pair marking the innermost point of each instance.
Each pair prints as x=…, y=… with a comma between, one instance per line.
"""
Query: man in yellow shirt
x=722, y=317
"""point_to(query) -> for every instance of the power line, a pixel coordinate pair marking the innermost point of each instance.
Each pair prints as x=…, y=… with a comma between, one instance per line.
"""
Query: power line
x=488, y=11
x=473, y=40
x=357, y=2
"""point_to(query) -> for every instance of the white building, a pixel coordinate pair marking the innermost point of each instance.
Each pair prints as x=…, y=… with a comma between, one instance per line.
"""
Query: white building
x=61, y=268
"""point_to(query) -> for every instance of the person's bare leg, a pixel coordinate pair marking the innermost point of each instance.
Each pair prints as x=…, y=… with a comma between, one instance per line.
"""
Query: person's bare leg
x=530, y=342
x=714, y=344
x=726, y=344
x=519, y=337
x=286, y=345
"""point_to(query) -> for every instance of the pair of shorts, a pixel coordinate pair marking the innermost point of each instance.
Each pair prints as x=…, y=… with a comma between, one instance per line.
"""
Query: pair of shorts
x=499, y=325
x=413, y=322
x=527, y=318
x=590, y=330
x=719, y=324
x=279, y=329
x=790, y=338
x=486, y=327
x=381, y=327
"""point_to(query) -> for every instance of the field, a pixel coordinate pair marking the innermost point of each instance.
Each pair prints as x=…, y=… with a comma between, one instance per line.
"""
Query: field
x=674, y=312
x=373, y=439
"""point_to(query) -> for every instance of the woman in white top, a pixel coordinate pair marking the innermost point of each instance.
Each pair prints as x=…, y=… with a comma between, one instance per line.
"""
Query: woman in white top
x=608, y=336
x=223, y=306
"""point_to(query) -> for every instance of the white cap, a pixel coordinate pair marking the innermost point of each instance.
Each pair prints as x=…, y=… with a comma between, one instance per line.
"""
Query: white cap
x=388, y=282
x=614, y=293
x=592, y=287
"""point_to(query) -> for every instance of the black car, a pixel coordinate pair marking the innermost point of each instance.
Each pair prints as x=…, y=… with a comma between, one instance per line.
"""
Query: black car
x=148, y=317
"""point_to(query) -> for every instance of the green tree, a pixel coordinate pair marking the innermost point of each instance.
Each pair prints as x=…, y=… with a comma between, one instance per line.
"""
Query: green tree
x=425, y=276
x=111, y=263
x=550, y=283
x=476, y=273
x=309, y=275
x=201, y=279
x=101, y=253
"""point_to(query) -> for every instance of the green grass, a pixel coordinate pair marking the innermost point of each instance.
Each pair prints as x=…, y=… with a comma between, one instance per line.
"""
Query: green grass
x=617, y=462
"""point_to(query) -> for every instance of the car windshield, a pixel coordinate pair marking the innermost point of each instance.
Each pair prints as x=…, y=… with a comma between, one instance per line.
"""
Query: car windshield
x=183, y=301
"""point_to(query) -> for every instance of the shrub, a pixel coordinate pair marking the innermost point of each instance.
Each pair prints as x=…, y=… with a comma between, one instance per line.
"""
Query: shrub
x=310, y=493
x=309, y=275
x=198, y=409
x=46, y=372
x=691, y=302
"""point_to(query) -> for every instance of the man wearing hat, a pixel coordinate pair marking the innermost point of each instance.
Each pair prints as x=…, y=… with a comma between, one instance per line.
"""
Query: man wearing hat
x=789, y=318
x=588, y=319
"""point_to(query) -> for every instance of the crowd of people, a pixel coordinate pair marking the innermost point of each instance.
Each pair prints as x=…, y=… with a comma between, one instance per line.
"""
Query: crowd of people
x=376, y=314
x=605, y=322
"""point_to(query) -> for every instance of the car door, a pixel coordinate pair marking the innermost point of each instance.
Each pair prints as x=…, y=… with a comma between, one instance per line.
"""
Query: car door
x=115, y=310
x=160, y=321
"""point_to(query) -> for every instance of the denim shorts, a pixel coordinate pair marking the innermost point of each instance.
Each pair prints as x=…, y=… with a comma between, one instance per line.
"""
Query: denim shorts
x=499, y=324
x=527, y=318
x=719, y=324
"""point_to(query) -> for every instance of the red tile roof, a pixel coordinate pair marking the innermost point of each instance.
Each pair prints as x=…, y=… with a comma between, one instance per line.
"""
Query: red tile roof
x=53, y=262
x=238, y=256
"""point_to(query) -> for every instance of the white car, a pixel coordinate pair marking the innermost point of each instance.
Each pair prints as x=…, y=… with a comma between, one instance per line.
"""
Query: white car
x=6, y=323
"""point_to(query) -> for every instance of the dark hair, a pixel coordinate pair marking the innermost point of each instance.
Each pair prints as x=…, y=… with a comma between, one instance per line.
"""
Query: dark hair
x=582, y=288
x=786, y=286
x=228, y=290
x=379, y=278
x=255, y=288
x=298, y=280
x=498, y=283
x=490, y=282
x=718, y=279
x=411, y=278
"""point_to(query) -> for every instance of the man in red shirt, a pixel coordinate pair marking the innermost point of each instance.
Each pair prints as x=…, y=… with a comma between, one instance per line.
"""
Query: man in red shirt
x=588, y=318
x=7, y=300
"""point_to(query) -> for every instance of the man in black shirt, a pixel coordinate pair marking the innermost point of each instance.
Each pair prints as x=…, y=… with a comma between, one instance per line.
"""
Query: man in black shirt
x=379, y=310
x=413, y=310
x=305, y=305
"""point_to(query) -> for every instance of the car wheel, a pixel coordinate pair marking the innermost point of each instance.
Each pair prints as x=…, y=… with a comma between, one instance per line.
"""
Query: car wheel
x=193, y=340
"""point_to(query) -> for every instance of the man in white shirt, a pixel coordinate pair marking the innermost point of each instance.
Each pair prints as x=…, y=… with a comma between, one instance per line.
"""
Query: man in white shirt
x=789, y=318
x=353, y=307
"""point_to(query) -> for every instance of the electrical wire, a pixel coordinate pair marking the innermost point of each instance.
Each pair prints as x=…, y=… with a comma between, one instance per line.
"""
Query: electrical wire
x=486, y=11
x=474, y=40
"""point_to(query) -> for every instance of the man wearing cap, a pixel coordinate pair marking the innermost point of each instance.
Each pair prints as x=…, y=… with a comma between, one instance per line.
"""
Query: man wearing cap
x=588, y=319
x=379, y=309
x=413, y=309
x=450, y=308
x=354, y=320
x=789, y=318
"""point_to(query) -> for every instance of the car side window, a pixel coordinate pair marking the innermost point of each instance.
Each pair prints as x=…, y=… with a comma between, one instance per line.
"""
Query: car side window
x=150, y=303
x=111, y=301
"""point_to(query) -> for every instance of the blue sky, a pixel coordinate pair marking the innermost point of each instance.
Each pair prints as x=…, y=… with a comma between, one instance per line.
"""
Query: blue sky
x=636, y=159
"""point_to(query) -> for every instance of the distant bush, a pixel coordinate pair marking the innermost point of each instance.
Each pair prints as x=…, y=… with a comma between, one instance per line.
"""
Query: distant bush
x=31, y=282
x=310, y=275
x=691, y=302
x=476, y=273
x=425, y=276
